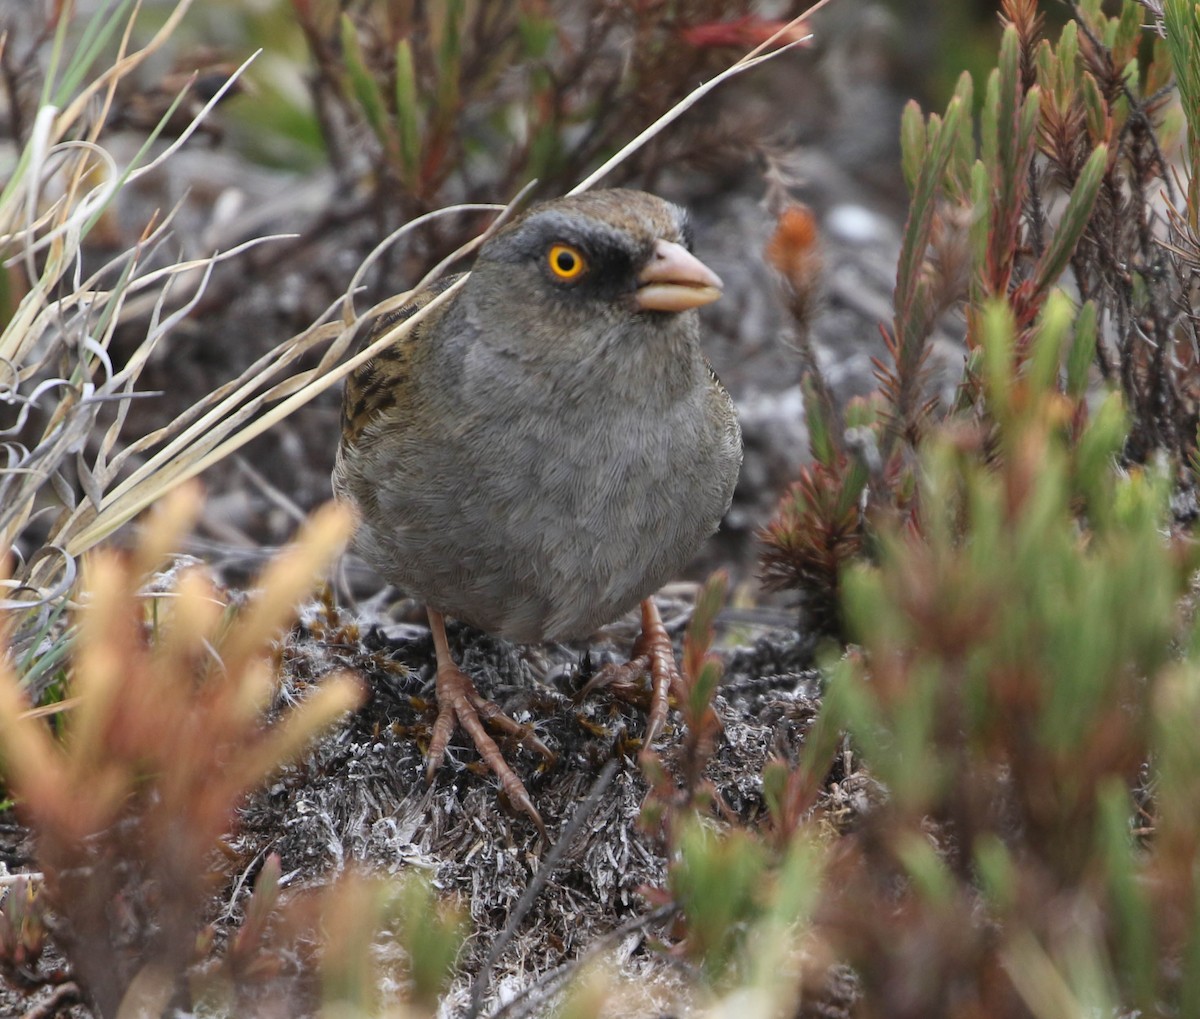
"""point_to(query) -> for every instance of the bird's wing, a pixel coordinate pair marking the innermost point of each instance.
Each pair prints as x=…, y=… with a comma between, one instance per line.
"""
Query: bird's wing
x=377, y=385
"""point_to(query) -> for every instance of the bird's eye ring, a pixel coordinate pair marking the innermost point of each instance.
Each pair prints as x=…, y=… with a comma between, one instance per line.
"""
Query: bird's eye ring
x=566, y=262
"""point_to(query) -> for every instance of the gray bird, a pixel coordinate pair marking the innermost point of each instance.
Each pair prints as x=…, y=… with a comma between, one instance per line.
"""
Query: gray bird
x=549, y=447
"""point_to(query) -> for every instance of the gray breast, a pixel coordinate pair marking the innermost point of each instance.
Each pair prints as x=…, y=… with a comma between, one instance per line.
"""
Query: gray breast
x=578, y=518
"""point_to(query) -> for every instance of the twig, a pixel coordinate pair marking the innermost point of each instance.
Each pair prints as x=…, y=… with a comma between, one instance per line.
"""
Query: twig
x=547, y=982
x=32, y=876
x=538, y=882
x=61, y=998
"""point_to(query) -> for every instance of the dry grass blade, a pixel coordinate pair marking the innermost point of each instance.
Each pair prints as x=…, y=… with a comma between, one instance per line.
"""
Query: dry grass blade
x=55, y=346
x=223, y=422
x=213, y=437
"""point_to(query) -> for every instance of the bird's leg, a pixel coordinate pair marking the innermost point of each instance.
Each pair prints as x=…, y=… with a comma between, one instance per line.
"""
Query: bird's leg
x=653, y=654
x=459, y=701
x=655, y=646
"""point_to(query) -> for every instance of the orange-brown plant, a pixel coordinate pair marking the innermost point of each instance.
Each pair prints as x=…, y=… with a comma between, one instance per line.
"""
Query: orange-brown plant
x=163, y=734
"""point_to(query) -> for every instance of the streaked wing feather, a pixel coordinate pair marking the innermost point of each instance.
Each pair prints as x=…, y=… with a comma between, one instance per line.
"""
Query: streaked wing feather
x=372, y=389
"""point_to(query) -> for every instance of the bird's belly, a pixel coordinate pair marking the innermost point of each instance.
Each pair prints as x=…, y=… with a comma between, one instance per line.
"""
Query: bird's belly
x=560, y=538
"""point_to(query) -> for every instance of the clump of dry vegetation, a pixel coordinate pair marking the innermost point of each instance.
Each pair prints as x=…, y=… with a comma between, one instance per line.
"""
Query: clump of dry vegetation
x=1069, y=187
x=1015, y=572
x=161, y=738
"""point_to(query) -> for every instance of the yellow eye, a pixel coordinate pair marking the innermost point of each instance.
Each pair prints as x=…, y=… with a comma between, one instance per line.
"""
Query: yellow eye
x=566, y=262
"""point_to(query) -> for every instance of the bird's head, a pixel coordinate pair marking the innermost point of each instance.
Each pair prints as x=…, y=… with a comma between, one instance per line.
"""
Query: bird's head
x=602, y=267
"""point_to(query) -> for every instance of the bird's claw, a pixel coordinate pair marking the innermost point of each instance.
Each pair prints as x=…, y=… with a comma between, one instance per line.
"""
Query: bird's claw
x=459, y=702
x=653, y=654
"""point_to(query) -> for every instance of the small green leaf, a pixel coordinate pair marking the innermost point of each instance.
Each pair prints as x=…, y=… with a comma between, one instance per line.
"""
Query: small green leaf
x=854, y=481
x=997, y=872
x=1028, y=121
x=705, y=685
x=1068, y=53
x=820, y=439
x=1132, y=918
x=1049, y=341
x=942, y=136
x=1128, y=32
x=912, y=142
x=536, y=34
x=1073, y=222
x=1083, y=350
x=408, y=113
x=1095, y=109
x=963, y=157
x=716, y=880
x=981, y=226
x=1097, y=449
x=1048, y=67
x=989, y=123
x=774, y=788
x=1182, y=21
x=861, y=413
x=997, y=336
x=1008, y=94
x=708, y=605
x=366, y=91
x=1189, y=994
x=927, y=870
x=433, y=931
x=449, y=60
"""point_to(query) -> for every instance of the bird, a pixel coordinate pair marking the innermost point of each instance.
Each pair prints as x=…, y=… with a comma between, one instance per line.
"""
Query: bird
x=546, y=448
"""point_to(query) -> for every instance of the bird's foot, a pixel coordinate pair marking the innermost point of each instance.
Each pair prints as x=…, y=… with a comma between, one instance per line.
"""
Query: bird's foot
x=460, y=703
x=653, y=654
